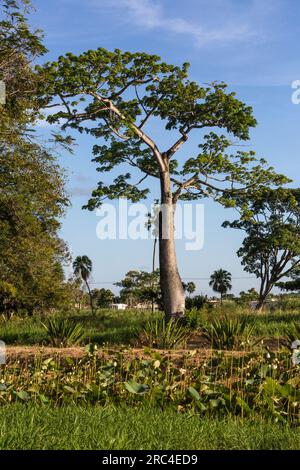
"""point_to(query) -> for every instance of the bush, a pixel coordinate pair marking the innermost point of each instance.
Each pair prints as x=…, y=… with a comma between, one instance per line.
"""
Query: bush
x=162, y=335
x=194, y=318
x=292, y=332
x=63, y=332
x=196, y=302
x=225, y=333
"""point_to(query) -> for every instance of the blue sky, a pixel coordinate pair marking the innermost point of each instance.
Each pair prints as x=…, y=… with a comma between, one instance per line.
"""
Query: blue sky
x=252, y=45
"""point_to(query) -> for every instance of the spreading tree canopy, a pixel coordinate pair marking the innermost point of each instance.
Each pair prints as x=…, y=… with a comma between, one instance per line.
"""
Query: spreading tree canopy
x=114, y=95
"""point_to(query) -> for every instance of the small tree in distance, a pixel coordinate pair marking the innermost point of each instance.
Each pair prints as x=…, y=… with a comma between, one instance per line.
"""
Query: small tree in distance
x=249, y=296
x=102, y=298
x=271, y=249
x=82, y=269
x=190, y=288
x=220, y=281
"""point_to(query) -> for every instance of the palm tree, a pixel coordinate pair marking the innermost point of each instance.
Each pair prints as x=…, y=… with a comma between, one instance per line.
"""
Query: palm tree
x=190, y=288
x=82, y=267
x=220, y=281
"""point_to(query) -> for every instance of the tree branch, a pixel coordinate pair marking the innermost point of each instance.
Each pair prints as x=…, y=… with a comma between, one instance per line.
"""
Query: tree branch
x=144, y=137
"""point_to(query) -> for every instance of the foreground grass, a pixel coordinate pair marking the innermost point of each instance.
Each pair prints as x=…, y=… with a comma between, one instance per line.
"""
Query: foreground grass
x=34, y=427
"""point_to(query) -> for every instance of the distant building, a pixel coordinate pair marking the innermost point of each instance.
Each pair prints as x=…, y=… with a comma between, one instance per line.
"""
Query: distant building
x=118, y=306
x=213, y=302
x=146, y=306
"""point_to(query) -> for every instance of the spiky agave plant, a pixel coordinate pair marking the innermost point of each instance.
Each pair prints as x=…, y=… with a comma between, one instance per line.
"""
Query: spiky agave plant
x=224, y=333
x=164, y=335
x=63, y=332
x=292, y=332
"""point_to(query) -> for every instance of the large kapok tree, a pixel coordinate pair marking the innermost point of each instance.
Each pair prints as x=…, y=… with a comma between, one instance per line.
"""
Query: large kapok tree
x=113, y=96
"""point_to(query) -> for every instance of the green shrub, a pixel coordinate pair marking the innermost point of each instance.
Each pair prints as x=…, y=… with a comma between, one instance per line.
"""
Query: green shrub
x=197, y=302
x=63, y=332
x=292, y=332
x=162, y=335
x=194, y=318
x=226, y=333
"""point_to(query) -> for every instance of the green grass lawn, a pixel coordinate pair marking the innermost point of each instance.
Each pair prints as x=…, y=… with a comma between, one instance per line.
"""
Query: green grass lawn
x=42, y=427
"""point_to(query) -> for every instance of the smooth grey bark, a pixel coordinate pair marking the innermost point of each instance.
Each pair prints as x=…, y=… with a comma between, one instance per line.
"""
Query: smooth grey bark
x=170, y=281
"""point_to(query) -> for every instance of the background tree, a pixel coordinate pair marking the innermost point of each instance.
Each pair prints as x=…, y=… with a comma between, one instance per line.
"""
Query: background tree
x=19, y=46
x=271, y=249
x=190, y=288
x=220, y=281
x=140, y=287
x=292, y=285
x=32, y=194
x=198, y=301
x=32, y=200
x=249, y=296
x=83, y=267
x=8, y=295
x=113, y=96
x=102, y=298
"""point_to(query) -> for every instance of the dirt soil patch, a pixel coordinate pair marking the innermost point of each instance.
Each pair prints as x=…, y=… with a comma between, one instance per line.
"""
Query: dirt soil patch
x=180, y=357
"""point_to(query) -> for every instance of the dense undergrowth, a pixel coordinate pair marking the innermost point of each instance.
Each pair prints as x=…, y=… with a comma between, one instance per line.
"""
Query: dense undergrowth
x=250, y=384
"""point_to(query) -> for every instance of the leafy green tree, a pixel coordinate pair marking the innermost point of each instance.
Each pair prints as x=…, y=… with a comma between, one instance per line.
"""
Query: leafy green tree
x=102, y=298
x=32, y=195
x=140, y=287
x=198, y=301
x=32, y=200
x=83, y=267
x=271, y=249
x=8, y=294
x=220, y=281
x=19, y=46
x=113, y=96
x=249, y=296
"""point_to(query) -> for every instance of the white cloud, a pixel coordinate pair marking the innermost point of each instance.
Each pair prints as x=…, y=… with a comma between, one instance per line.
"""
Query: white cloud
x=236, y=25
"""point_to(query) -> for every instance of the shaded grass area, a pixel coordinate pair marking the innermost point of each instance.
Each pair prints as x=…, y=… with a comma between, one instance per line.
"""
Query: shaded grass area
x=34, y=427
x=118, y=327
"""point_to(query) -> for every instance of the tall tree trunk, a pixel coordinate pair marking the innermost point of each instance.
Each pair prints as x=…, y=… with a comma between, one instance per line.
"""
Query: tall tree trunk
x=263, y=297
x=90, y=296
x=153, y=270
x=170, y=281
x=261, y=302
